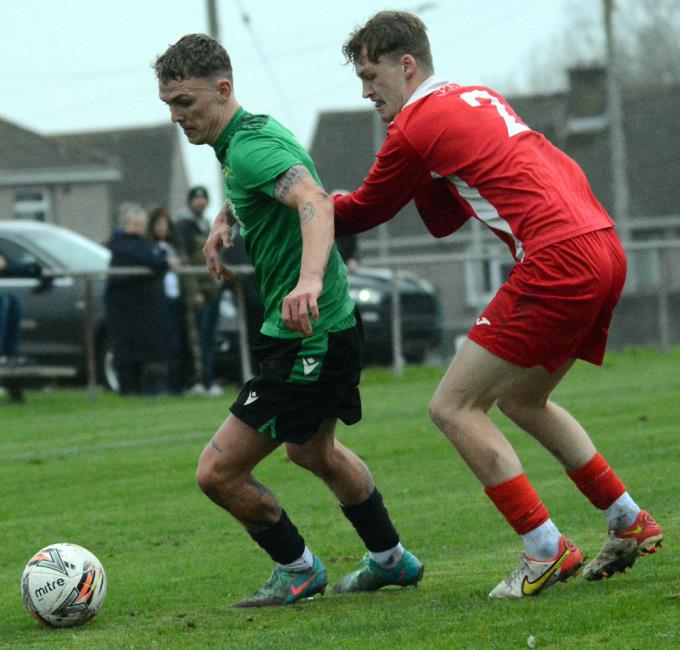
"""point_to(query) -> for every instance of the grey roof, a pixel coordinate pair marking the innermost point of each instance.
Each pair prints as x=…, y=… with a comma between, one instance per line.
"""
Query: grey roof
x=145, y=155
x=344, y=147
x=652, y=124
x=25, y=150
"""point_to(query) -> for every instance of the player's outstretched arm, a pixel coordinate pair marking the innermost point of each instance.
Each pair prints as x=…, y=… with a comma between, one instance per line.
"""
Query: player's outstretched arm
x=391, y=182
x=219, y=238
x=297, y=189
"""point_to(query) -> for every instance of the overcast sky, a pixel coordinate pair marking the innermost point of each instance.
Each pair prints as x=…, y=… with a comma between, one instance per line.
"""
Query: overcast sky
x=78, y=65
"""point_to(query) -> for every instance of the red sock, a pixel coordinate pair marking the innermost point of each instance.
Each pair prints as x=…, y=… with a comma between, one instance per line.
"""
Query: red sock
x=519, y=503
x=598, y=482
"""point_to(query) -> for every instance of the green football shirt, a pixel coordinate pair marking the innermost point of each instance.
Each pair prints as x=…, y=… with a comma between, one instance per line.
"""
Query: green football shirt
x=254, y=150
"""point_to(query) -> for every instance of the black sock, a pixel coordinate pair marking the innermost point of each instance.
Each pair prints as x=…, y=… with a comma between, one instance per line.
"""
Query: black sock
x=372, y=521
x=281, y=541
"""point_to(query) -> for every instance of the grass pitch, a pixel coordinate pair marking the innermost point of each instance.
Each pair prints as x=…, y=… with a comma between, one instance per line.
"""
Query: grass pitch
x=117, y=478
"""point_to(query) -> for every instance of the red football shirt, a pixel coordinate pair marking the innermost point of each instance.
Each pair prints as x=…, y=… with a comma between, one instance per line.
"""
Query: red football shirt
x=461, y=151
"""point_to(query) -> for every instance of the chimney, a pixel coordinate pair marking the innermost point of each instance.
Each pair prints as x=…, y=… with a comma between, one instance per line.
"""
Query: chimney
x=587, y=100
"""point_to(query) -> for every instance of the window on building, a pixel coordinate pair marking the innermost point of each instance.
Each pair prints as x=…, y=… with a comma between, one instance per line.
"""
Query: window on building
x=483, y=277
x=33, y=203
x=17, y=258
x=644, y=270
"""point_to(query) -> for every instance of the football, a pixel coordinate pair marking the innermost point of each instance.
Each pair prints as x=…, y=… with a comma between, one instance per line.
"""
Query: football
x=63, y=585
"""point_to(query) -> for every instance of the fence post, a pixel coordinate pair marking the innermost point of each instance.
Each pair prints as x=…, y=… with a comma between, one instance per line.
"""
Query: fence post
x=397, y=343
x=90, y=339
x=246, y=367
x=664, y=319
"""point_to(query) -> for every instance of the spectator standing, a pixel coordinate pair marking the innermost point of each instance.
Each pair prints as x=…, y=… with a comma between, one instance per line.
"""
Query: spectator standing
x=203, y=291
x=134, y=306
x=160, y=231
x=10, y=318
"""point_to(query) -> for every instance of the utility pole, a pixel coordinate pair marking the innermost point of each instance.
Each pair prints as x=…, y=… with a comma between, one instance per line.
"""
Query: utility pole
x=213, y=22
x=617, y=138
x=214, y=31
x=378, y=130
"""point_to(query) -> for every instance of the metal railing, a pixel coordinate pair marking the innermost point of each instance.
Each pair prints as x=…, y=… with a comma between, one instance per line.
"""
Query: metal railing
x=665, y=250
x=89, y=308
x=666, y=257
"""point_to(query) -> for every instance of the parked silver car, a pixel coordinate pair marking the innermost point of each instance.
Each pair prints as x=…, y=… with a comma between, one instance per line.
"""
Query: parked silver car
x=53, y=307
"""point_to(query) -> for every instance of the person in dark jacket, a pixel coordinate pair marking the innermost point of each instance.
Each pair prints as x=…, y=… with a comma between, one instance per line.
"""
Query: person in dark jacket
x=10, y=316
x=134, y=306
x=203, y=292
x=160, y=231
x=11, y=312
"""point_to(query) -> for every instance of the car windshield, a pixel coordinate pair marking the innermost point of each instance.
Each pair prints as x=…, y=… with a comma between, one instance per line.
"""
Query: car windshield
x=71, y=250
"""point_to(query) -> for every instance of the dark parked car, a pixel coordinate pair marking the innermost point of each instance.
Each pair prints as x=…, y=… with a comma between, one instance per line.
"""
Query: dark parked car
x=53, y=321
x=53, y=330
x=371, y=289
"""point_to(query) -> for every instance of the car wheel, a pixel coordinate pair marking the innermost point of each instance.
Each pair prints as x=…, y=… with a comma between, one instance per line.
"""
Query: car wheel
x=106, y=369
x=110, y=375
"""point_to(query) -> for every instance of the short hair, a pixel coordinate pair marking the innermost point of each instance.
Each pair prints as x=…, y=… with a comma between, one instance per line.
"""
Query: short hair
x=390, y=34
x=128, y=212
x=197, y=191
x=193, y=56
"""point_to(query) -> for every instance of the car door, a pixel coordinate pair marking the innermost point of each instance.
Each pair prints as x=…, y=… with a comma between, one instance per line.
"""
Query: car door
x=51, y=323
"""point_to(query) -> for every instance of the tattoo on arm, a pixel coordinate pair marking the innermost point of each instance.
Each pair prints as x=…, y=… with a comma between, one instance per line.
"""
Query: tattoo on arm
x=307, y=212
x=216, y=447
x=286, y=180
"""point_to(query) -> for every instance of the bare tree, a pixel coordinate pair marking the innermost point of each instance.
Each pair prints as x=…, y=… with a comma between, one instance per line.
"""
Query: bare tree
x=653, y=53
x=648, y=42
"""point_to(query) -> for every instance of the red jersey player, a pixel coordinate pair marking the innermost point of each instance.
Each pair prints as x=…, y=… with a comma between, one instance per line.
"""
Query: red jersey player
x=462, y=152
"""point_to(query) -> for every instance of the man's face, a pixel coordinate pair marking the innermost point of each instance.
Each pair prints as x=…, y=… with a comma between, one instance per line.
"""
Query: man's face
x=384, y=83
x=136, y=225
x=198, y=105
x=198, y=205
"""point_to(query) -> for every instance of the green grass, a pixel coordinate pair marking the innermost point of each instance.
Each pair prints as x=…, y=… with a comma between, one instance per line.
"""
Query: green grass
x=117, y=477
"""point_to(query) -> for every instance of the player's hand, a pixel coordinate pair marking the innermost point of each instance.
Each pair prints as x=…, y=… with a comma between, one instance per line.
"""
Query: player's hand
x=223, y=225
x=219, y=238
x=299, y=304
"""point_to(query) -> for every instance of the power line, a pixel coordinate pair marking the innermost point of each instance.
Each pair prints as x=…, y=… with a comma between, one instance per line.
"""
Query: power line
x=245, y=18
x=46, y=76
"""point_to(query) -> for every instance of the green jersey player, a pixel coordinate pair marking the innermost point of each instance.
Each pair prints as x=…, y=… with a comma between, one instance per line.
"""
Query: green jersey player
x=255, y=151
x=309, y=344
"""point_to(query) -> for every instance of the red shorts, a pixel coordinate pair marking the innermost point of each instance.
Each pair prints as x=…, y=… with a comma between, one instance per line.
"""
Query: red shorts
x=557, y=304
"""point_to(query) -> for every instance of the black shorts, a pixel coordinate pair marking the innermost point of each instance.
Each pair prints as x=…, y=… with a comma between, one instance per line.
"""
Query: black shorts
x=301, y=383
